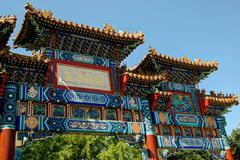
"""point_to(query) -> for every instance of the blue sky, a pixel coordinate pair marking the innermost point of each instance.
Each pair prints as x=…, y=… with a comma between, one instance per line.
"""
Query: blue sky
x=204, y=29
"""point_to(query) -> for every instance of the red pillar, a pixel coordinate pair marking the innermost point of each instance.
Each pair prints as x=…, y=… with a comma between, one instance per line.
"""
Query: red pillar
x=2, y=86
x=123, y=83
x=229, y=155
x=151, y=142
x=7, y=144
x=151, y=146
x=203, y=105
x=153, y=101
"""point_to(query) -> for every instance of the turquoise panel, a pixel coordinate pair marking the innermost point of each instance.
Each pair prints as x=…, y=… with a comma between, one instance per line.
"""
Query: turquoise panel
x=76, y=57
x=188, y=120
x=189, y=143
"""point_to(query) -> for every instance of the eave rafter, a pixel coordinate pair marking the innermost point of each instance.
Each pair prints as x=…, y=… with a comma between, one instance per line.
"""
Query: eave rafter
x=7, y=24
x=24, y=69
x=137, y=90
x=144, y=79
x=163, y=95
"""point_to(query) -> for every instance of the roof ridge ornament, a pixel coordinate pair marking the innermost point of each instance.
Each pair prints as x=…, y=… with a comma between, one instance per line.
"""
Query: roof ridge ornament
x=41, y=56
x=108, y=29
x=44, y=13
x=152, y=51
x=185, y=59
x=8, y=18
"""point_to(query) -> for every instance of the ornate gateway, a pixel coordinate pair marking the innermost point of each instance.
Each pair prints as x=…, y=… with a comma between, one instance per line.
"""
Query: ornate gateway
x=76, y=84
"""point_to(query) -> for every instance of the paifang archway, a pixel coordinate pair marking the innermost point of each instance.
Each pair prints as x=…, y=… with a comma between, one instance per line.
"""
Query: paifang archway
x=75, y=84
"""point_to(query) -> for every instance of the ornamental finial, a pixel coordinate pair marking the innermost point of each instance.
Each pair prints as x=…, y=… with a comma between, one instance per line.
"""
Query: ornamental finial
x=41, y=56
x=108, y=29
x=152, y=50
x=185, y=59
x=44, y=13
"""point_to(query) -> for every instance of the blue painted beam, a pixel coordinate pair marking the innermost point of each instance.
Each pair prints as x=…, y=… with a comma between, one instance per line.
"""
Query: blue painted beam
x=187, y=120
x=189, y=143
x=71, y=125
x=59, y=96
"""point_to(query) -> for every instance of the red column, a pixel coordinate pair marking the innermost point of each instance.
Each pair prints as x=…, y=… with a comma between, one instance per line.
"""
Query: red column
x=2, y=86
x=7, y=144
x=153, y=101
x=151, y=146
x=229, y=155
x=203, y=105
x=123, y=83
x=48, y=73
x=151, y=142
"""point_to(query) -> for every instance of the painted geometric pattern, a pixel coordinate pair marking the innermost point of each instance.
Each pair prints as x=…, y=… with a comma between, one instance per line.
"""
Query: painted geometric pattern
x=215, y=110
x=41, y=123
x=189, y=143
x=146, y=114
x=146, y=117
x=161, y=106
x=210, y=122
x=131, y=103
x=163, y=118
x=33, y=93
x=182, y=103
x=176, y=87
x=58, y=110
x=39, y=109
x=166, y=141
x=9, y=105
x=41, y=94
x=23, y=108
x=187, y=120
x=187, y=131
x=23, y=75
x=76, y=57
x=85, y=113
x=194, y=99
x=115, y=78
x=136, y=116
x=111, y=114
x=221, y=123
x=127, y=116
